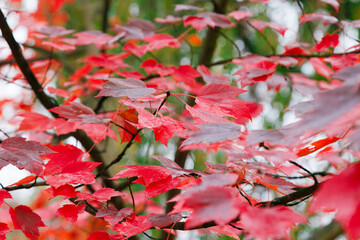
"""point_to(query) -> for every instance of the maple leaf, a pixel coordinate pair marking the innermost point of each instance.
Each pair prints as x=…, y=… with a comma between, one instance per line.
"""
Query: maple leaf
x=212, y=133
x=210, y=78
x=98, y=38
x=101, y=195
x=341, y=99
x=26, y=220
x=204, y=19
x=255, y=221
x=73, y=173
x=134, y=227
x=111, y=61
x=136, y=29
x=157, y=179
x=164, y=127
x=66, y=190
x=3, y=230
x=113, y=216
x=321, y=68
x=325, y=19
x=261, y=25
x=159, y=41
x=238, y=15
x=327, y=198
x=4, y=194
x=326, y=42
x=98, y=235
x=163, y=220
x=62, y=155
x=128, y=87
x=147, y=174
x=185, y=7
x=23, y=154
x=70, y=211
x=212, y=204
x=34, y=121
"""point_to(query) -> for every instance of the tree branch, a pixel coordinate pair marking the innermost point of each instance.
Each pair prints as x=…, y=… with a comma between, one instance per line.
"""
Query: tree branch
x=47, y=101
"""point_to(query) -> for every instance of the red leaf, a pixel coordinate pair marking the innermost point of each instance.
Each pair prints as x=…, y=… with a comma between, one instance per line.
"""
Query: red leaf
x=35, y=121
x=101, y=195
x=111, y=61
x=238, y=15
x=261, y=25
x=99, y=235
x=3, y=231
x=321, y=68
x=27, y=221
x=215, y=93
x=164, y=128
x=204, y=19
x=185, y=7
x=129, y=87
x=163, y=220
x=66, y=190
x=210, y=78
x=74, y=173
x=213, y=133
x=327, y=198
x=136, y=28
x=59, y=92
x=326, y=42
x=23, y=154
x=316, y=146
x=53, y=31
x=159, y=41
x=70, y=211
x=25, y=180
x=255, y=221
x=77, y=112
x=63, y=155
x=325, y=19
x=98, y=38
x=147, y=174
x=213, y=203
x=134, y=227
x=113, y=216
x=4, y=194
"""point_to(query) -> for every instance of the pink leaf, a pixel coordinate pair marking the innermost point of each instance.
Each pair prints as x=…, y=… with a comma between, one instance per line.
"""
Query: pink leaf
x=255, y=221
x=325, y=19
x=238, y=15
x=261, y=25
x=129, y=87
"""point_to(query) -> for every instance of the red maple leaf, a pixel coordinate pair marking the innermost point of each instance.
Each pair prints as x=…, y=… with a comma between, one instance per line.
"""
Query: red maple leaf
x=27, y=221
x=129, y=87
x=4, y=194
x=255, y=221
x=4, y=229
x=327, y=198
x=134, y=227
x=114, y=216
x=70, y=211
x=23, y=154
x=101, y=195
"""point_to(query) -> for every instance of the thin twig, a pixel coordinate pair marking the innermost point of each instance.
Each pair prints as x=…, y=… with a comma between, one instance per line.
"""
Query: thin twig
x=230, y=40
